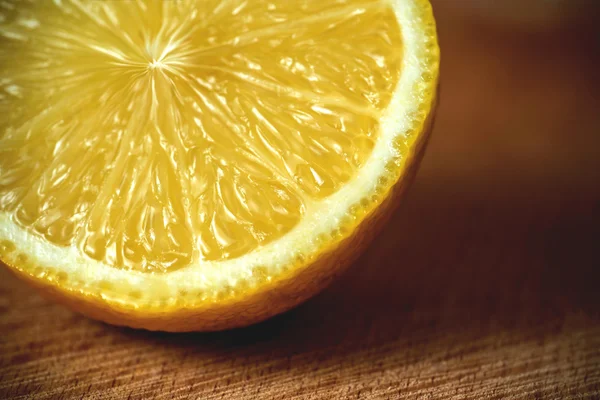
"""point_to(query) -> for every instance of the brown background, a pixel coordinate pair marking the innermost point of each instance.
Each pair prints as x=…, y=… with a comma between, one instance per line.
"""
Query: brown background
x=485, y=284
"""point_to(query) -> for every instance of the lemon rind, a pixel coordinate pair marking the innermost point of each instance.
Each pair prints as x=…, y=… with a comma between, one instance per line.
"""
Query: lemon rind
x=327, y=222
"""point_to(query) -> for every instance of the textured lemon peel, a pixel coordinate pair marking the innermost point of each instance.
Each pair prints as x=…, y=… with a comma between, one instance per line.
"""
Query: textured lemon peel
x=319, y=232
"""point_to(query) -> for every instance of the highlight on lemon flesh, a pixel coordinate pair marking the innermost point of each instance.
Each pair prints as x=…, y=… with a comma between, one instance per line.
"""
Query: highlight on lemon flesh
x=204, y=164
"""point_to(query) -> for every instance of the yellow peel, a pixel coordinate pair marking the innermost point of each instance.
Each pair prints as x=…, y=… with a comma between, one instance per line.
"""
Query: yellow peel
x=224, y=289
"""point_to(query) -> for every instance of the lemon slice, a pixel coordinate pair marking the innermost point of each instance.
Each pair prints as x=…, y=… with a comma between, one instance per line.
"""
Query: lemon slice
x=201, y=165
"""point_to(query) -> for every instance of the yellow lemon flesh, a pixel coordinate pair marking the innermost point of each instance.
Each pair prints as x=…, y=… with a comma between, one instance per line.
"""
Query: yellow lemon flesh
x=201, y=165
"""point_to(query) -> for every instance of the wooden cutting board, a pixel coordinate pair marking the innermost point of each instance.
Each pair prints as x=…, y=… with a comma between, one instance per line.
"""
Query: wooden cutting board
x=485, y=285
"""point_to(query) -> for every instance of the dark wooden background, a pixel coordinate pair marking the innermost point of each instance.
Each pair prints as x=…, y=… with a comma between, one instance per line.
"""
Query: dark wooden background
x=484, y=285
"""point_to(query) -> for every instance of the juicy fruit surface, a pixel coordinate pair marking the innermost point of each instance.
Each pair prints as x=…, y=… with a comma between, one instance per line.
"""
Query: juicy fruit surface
x=155, y=134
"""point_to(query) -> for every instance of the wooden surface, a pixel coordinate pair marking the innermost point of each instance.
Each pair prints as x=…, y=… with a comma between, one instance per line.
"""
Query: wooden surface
x=485, y=284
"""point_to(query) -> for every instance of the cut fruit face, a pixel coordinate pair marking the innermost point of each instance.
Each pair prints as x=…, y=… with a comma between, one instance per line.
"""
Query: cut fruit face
x=153, y=149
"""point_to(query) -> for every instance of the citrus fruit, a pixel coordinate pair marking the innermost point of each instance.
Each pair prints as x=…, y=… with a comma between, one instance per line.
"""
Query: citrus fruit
x=201, y=165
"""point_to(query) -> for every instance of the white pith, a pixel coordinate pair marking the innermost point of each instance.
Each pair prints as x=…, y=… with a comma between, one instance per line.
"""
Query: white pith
x=320, y=217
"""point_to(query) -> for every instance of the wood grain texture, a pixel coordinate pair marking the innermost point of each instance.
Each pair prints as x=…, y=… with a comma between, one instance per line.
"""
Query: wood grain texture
x=484, y=285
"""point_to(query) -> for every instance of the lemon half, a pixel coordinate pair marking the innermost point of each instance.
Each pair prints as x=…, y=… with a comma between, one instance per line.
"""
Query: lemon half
x=201, y=165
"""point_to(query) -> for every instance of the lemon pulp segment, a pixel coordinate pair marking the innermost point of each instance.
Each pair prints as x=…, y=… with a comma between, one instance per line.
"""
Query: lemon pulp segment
x=151, y=135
